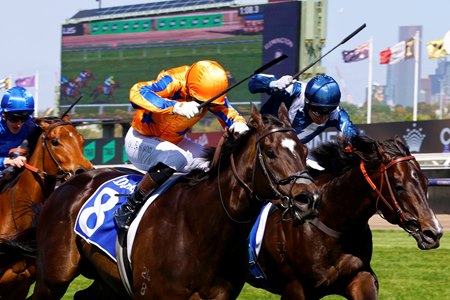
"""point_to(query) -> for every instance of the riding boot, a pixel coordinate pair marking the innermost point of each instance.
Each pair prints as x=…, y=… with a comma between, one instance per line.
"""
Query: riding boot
x=154, y=177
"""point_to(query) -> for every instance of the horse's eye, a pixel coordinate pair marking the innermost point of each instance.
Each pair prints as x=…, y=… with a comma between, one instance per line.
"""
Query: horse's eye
x=55, y=142
x=270, y=153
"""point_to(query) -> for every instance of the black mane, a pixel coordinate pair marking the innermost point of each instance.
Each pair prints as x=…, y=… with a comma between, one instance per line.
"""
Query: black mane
x=231, y=144
x=345, y=153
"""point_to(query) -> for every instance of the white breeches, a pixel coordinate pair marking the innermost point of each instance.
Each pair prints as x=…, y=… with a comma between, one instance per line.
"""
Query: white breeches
x=145, y=152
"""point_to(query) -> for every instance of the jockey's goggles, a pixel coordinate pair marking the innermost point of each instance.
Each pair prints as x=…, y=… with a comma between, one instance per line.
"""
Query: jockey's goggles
x=321, y=110
x=16, y=117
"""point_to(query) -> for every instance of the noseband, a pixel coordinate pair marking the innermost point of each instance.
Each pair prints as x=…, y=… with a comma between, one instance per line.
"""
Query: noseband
x=274, y=182
x=394, y=206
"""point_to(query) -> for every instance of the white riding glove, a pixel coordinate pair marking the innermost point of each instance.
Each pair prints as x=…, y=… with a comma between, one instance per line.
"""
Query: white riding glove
x=187, y=109
x=281, y=83
x=239, y=127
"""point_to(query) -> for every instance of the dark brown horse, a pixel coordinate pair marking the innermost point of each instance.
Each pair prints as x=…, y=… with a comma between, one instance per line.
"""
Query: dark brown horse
x=332, y=254
x=191, y=242
x=57, y=155
x=100, y=91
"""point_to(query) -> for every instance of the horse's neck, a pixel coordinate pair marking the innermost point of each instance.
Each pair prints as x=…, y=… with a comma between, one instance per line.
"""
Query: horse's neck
x=38, y=184
x=347, y=203
x=235, y=201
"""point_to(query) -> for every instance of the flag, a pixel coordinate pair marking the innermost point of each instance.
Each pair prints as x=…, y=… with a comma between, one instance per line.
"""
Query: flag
x=435, y=49
x=25, y=81
x=357, y=54
x=394, y=54
x=4, y=83
x=409, y=50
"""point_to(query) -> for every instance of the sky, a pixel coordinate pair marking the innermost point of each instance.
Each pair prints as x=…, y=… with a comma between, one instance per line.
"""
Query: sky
x=31, y=40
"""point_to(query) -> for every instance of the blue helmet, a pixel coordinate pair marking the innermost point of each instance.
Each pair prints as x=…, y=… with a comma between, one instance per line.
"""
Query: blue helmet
x=18, y=100
x=322, y=90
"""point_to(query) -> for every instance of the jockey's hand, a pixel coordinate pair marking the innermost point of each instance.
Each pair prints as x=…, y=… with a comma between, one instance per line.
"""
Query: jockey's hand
x=188, y=109
x=18, y=161
x=281, y=83
x=239, y=127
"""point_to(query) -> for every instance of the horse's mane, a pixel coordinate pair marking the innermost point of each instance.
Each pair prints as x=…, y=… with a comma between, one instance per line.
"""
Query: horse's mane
x=232, y=144
x=22, y=244
x=342, y=154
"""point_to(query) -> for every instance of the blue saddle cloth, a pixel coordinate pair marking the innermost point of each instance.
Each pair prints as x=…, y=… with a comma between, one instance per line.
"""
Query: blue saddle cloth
x=256, y=234
x=95, y=221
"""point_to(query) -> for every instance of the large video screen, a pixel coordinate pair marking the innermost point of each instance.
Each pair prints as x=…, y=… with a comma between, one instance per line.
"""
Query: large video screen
x=137, y=49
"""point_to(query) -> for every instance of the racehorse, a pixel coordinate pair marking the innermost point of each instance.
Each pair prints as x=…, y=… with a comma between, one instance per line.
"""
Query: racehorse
x=57, y=155
x=332, y=254
x=191, y=242
x=67, y=92
x=100, y=90
x=82, y=80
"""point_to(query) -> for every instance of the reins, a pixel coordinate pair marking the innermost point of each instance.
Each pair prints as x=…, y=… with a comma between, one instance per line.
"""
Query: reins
x=274, y=183
x=395, y=207
x=61, y=173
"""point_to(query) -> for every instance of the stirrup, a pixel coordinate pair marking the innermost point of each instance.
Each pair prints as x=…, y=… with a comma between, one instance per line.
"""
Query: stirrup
x=123, y=218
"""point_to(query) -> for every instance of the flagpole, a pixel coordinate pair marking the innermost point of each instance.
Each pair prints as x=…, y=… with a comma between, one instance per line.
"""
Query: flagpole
x=369, y=85
x=416, y=75
x=36, y=95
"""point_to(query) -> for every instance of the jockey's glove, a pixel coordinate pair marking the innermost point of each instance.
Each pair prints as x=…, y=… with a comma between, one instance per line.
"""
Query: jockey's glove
x=239, y=127
x=281, y=83
x=187, y=109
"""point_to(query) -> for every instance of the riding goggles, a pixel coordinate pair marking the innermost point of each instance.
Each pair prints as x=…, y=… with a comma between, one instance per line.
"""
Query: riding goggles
x=16, y=117
x=321, y=110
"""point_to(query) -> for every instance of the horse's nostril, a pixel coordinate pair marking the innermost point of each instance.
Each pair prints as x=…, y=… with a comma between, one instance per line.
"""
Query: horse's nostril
x=303, y=198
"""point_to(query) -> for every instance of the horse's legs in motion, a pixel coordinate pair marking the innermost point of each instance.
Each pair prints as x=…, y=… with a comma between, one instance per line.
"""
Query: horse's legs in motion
x=96, y=291
x=58, y=264
x=293, y=291
x=364, y=286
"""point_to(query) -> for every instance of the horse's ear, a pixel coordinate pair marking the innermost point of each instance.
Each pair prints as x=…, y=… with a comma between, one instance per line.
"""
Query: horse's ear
x=66, y=118
x=43, y=123
x=256, y=118
x=283, y=115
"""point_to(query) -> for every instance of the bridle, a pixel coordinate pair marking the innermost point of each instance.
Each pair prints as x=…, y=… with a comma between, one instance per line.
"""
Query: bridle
x=61, y=174
x=407, y=223
x=273, y=181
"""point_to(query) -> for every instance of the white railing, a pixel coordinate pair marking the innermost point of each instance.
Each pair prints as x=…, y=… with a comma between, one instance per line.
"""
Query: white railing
x=433, y=160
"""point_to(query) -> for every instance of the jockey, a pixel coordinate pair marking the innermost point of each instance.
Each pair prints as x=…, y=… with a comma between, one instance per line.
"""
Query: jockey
x=16, y=127
x=166, y=109
x=313, y=107
x=107, y=84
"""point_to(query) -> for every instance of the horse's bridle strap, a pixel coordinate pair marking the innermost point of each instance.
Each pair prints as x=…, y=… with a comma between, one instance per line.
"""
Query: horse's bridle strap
x=383, y=171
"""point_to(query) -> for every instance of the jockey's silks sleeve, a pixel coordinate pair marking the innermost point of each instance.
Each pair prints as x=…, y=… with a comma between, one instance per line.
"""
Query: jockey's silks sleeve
x=154, y=101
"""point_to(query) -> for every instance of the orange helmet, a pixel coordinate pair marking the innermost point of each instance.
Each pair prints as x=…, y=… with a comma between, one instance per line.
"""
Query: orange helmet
x=205, y=79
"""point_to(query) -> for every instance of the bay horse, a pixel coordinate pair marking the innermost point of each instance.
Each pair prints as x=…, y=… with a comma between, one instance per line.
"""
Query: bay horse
x=191, y=242
x=57, y=155
x=83, y=78
x=332, y=254
x=100, y=90
x=67, y=92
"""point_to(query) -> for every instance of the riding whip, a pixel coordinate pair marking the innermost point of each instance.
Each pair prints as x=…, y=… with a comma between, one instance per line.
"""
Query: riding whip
x=73, y=104
x=259, y=70
x=341, y=43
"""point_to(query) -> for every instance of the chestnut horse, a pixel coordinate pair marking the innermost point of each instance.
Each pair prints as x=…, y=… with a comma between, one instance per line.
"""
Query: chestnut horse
x=57, y=155
x=332, y=254
x=191, y=242
x=100, y=90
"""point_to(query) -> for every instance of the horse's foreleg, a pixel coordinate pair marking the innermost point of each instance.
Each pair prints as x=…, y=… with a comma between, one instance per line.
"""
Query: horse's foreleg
x=364, y=286
x=293, y=291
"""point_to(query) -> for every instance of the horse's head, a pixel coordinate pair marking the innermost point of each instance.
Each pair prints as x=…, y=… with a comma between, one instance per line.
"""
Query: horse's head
x=402, y=192
x=62, y=148
x=279, y=171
